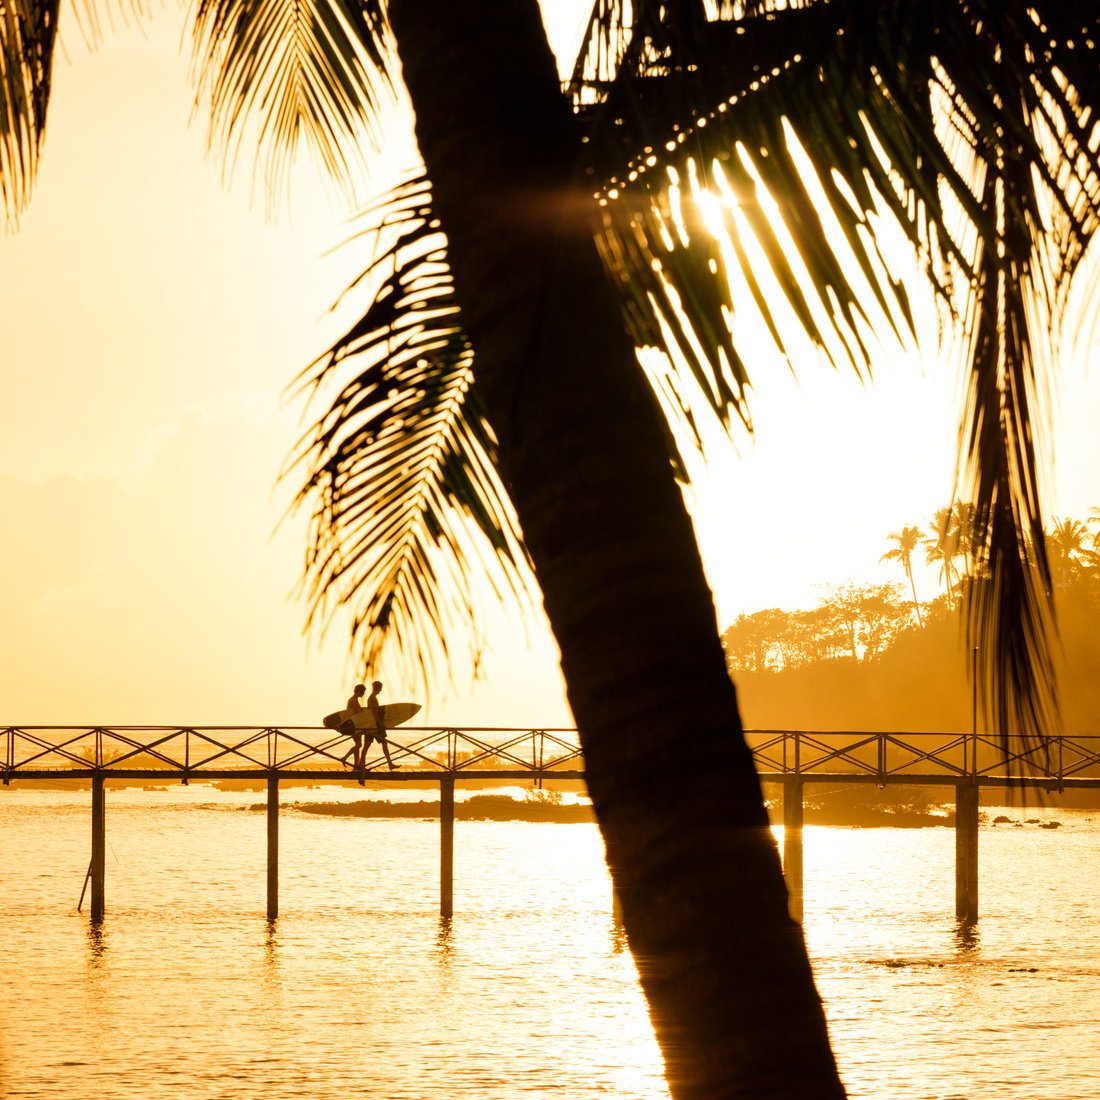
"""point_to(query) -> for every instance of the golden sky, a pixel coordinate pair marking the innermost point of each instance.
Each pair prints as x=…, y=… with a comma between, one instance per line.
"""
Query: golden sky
x=151, y=321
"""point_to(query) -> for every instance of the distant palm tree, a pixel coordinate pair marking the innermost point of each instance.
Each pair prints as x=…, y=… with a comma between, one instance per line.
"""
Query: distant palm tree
x=1090, y=555
x=942, y=547
x=907, y=539
x=1068, y=545
x=1093, y=520
x=1093, y=555
x=964, y=523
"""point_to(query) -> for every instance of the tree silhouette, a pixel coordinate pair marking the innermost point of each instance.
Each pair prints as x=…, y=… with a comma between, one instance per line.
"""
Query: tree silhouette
x=867, y=616
x=907, y=539
x=940, y=547
x=1067, y=543
x=754, y=642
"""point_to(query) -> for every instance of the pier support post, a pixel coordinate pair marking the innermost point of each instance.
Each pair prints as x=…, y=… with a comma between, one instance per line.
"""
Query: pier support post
x=99, y=846
x=792, y=843
x=966, y=852
x=272, y=847
x=446, y=846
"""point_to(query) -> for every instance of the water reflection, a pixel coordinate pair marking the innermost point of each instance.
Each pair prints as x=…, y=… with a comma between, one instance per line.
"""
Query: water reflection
x=98, y=943
x=617, y=935
x=271, y=968
x=444, y=945
x=97, y=993
x=967, y=940
x=271, y=947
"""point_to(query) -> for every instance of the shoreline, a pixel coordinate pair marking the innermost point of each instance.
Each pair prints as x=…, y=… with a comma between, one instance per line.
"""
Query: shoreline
x=480, y=807
x=491, y=807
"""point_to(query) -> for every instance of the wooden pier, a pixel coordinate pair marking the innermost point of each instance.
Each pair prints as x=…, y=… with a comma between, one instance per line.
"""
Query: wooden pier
x=965, y=762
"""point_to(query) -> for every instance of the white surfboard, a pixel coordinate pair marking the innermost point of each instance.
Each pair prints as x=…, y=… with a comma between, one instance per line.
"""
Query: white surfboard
x=393, y=714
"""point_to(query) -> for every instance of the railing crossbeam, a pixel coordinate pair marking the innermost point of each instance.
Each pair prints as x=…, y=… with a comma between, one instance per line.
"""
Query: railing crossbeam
x=192, y=752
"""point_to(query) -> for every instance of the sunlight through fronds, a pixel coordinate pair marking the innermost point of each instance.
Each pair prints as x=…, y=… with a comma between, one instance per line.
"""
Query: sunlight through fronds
x=707, y=96
x=411, y=529
x=973, y=125
x=282, y=73
x=28, y=29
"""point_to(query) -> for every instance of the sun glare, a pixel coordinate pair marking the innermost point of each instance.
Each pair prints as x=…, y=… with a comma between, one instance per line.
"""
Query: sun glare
x=711, y=208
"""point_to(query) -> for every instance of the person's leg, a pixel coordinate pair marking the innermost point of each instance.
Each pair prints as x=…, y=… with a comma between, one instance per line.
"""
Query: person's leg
x=368, y=740
x=348, y=730
x=386, y=749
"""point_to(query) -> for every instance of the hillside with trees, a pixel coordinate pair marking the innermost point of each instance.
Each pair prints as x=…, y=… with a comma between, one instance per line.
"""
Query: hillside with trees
x=876, y=657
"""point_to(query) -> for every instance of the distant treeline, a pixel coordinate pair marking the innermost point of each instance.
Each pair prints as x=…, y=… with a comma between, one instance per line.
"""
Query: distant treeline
x=861, y=621
x=878, y=657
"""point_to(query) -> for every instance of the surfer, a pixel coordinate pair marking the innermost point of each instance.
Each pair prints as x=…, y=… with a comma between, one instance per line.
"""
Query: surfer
x=350, y=729
x=378, y=713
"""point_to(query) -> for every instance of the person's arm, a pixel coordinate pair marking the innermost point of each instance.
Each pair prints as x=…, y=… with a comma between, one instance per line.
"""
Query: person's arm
x=377, y=713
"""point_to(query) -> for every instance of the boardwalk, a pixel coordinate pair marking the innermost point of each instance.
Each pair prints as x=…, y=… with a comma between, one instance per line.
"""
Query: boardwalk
x=307, y=752
x=290, y=752
x=444, y=756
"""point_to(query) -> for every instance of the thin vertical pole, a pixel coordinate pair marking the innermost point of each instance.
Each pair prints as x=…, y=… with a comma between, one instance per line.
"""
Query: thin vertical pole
x=272, y=847
x=792, y=843
x=446, y=845
x=966, y=852
x=99, y=845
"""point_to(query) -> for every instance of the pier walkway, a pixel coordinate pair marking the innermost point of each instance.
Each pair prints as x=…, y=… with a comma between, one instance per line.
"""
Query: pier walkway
x=444, y=756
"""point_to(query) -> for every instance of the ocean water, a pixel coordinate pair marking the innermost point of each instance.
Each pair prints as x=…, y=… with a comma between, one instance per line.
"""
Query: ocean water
x=185, y=991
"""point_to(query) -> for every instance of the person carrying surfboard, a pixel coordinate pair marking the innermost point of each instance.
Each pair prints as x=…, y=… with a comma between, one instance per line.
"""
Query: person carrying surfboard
x=350, y=729
x=364, y=724
x=378, y=714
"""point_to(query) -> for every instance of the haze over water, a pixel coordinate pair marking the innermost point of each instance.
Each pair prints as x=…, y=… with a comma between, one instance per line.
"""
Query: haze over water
x=357, y=989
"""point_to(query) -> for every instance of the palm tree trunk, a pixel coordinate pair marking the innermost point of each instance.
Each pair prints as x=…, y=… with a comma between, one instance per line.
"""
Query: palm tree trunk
x=913, y=585
x=582, y=451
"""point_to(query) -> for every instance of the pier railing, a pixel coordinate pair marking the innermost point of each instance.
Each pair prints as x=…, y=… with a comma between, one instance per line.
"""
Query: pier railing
x=926, y=759
x=211, y=752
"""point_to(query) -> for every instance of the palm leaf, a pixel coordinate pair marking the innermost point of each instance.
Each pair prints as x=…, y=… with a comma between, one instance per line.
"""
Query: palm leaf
x=294, y=71
x=974, y=126
x=712, y=99
x=1035, y=137
x=28, y=29
x=96, y=18
x=410, y=526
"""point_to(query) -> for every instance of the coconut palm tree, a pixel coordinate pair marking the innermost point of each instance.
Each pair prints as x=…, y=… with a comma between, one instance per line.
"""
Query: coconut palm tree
x=1067, y=543
x=941, y=546
x=1091, y=553
x=953, y=535
x=907, y=540
x=575, y=230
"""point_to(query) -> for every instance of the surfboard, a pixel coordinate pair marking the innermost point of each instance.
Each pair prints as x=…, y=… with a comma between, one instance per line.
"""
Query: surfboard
x=393, y=714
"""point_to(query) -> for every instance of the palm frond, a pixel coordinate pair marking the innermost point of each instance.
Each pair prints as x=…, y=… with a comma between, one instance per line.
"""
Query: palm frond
x=713, y=100
x=975, y=127
x=411, y=528
x=28, y=29
x=1035, y=137
x=287, y=72
x=95, y=19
